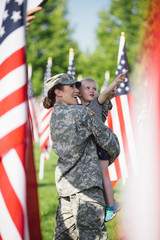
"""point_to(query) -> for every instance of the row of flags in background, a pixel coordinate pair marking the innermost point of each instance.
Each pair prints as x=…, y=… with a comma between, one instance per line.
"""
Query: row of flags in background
x=45, y=146
x=32, y=109
x=42, y=118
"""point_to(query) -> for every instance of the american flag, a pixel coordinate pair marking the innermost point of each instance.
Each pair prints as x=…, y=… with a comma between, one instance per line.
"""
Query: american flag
x=16, y=152
x=71, y=66
x=44, y=119
x=32, y=107
x=120, y=120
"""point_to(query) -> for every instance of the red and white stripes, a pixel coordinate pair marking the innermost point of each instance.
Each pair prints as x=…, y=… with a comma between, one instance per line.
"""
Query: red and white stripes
x=44, y=119
x=32, y=109
x=119, y=120
x=14, y=114
x=45, y=146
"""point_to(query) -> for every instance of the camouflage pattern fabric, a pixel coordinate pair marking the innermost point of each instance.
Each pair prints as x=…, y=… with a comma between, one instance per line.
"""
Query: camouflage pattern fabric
x=107, y=105
x=81, y=216
x=62, y=78
x=75, y=130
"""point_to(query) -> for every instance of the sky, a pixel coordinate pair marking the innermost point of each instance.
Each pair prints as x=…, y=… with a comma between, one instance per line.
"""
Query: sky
x=83, y=15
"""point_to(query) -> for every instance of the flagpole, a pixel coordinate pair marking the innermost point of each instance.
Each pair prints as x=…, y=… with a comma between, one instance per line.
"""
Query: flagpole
x=41, y=168
x=71, y=56
x=45, y=144
x=32, y=109
x=121, y=46
x=71, y=66
x=106, y=80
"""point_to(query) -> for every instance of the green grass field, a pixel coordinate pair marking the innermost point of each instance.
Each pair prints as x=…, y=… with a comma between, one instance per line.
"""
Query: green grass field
x=48, y=200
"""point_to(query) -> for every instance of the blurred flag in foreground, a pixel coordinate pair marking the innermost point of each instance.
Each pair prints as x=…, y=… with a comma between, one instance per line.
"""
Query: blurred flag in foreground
x=19, y=213
x=120, y=120
x=71, y=66
x=32, y=108
x=33, y=4
x=143, y=192
x=44, y=119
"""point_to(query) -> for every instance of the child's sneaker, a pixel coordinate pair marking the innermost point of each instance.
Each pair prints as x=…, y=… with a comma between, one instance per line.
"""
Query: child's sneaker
x=116, y=206
x=110, y=214
x=111, y=211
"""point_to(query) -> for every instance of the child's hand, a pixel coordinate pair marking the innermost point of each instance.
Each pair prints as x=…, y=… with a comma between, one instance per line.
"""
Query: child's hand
x=110, y=92
x=121, y=77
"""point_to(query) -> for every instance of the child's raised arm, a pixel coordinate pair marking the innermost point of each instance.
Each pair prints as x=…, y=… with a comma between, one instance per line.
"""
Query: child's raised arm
x=120, y=78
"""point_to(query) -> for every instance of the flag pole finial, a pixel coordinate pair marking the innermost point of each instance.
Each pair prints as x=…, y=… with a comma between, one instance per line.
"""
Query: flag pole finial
x=80, y=76
x=29, y=70
x=122, y=33
x=71, y=49
x=50, y=60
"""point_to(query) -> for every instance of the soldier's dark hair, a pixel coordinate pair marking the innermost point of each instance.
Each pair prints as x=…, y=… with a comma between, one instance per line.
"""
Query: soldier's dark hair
x=49, y=101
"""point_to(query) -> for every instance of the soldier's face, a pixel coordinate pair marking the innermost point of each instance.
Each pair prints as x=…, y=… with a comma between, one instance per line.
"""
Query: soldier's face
x=69, y=94
x=88, y=92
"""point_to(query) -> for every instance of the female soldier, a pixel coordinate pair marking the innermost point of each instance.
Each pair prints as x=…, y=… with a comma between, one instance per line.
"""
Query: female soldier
x=75, y=130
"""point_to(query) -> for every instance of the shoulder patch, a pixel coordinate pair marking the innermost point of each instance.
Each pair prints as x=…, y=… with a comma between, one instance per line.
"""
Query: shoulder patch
x=92, y=111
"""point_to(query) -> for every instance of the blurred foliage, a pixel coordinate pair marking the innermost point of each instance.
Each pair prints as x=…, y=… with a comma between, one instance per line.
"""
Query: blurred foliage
x=50, y=35
x=127, y=16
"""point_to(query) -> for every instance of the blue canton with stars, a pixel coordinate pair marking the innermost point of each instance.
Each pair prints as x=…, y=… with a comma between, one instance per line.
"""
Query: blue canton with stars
x=13, y=18
x=123, y=87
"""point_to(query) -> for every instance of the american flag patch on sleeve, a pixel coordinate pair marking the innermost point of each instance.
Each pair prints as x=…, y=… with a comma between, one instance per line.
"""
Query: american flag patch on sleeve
x=92, y=111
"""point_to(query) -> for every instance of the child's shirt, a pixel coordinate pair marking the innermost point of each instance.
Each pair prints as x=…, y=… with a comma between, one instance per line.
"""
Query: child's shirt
x=101, y=110
x=96, y=107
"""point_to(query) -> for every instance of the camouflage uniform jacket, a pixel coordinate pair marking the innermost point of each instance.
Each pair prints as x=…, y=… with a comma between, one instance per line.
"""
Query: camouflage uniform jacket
x=107, y=105
x=74, y=131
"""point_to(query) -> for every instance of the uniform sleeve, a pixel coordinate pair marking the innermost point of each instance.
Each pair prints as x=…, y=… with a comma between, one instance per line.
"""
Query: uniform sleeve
x=107, y=105
x=103, y=135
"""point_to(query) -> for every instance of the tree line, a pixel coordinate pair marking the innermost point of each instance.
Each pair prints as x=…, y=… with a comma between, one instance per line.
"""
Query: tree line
x=50, y=35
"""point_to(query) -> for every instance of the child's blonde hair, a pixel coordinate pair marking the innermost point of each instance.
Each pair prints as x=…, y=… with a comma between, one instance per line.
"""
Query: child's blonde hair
x=84, y=80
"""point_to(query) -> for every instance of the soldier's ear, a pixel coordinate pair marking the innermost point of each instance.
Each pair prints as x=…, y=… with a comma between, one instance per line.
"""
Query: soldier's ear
x=58, y=92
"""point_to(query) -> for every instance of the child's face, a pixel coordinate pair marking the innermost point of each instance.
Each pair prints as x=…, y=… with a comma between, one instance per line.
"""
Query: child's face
x=69, y=94
x=88, y=92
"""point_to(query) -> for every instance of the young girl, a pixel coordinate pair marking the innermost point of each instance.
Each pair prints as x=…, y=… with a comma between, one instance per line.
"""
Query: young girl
x=89, y=97
x=75, y=130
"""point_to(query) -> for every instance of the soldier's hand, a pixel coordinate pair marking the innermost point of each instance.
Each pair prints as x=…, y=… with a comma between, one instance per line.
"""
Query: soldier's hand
x=30, y=16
